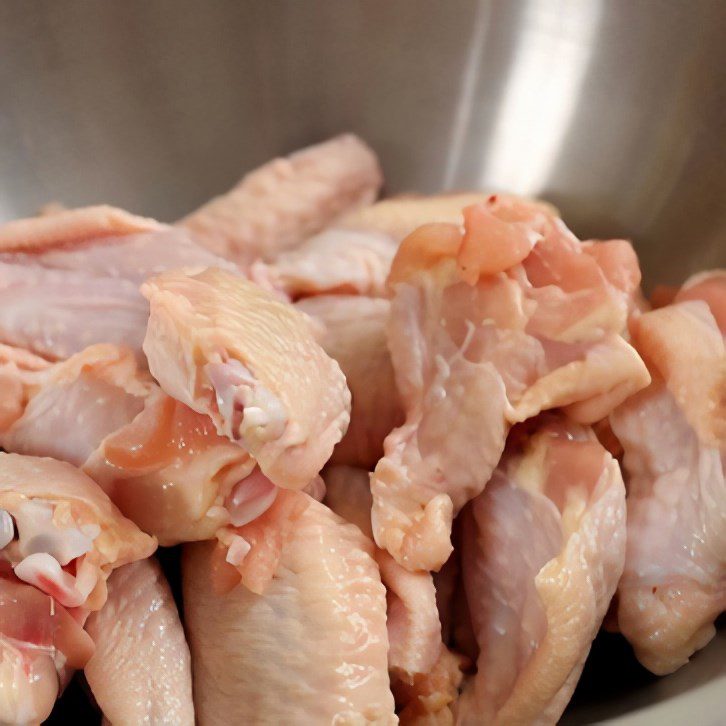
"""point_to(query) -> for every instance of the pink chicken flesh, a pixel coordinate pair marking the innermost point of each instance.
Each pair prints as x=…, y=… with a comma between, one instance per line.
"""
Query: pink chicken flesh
x=285, y=201
x=352, y=330
x=231, y=351
x=140, y=672
x=487, y=329
x=71, y=279
x=543, y=549
x=674, y=440
x=311, y=649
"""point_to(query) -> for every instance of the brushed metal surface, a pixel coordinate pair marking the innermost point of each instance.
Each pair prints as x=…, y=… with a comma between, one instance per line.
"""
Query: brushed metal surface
x=615, y=110
x=612, y=109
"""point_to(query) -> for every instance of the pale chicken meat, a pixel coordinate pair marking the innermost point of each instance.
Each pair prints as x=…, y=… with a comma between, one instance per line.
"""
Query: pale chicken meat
x=311, y=649
x=60, y=540
x=65, y=409
x=348, y=494
x=232, y=351
x=280, y=204
x=542, y=552
x=140, y=671
x=71, y=279
x=425, y=675
x=170, y=472
x=70, y=228
x=413, y=621
x=674, y=439
x=352, y=330
x=707, y=285
x=487, y=328
x=358, y=253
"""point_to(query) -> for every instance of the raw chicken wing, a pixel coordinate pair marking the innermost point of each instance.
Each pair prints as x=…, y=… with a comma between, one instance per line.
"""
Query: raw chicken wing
x=230, y=350
x=140, y=672
x=709, y=286
x=487, y=329
x=334, y=261
x=355, y=256
x=398, y=216
x=543, y=549
x=312, y=649
x=285, y=201
x=674, y=440
x=58, y=313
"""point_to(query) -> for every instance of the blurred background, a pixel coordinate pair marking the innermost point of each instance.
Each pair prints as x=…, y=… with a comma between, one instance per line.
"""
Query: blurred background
x=614, y=110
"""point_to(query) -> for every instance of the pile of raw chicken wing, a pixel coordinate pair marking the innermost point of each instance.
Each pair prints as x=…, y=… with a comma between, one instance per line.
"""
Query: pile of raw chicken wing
x=417, y=452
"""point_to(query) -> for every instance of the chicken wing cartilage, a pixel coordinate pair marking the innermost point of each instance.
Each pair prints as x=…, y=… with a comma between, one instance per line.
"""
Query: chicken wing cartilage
x=543, y=549
x=311, y=649
x=232, y=351
x=674, y=439
x=488, y=328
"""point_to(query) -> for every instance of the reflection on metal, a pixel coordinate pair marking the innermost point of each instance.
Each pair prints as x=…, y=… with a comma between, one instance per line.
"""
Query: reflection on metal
x=611, y=109
x=554, y=45
x=465, y=104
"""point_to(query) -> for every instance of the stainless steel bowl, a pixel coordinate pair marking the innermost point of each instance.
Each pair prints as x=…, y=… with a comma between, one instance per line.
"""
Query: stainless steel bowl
x=612, y=109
